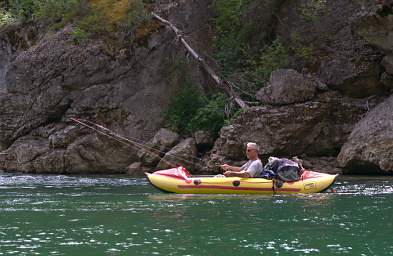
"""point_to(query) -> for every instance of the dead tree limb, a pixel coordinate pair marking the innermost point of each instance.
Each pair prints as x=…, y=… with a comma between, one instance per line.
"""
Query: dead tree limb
x=221, y=83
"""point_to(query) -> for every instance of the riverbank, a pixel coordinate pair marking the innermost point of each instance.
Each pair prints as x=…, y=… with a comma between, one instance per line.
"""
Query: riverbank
x=317, y=76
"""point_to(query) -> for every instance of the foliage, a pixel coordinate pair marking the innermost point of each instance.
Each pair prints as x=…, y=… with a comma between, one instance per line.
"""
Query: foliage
x=52, y=10
x=137, y=14
x=300, y=50
x=210, y=117
x=273, y=57
x=92, y=24
x=190, y=110
x=93, y=17
x=79, y=34
x=230, y=44
x=247, y=68
x=6, y=18
x=311, y=9
x=56, y=10
x=183, y=107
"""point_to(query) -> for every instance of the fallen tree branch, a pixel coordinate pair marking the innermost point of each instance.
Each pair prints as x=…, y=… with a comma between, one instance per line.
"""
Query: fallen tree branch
x=221, y=83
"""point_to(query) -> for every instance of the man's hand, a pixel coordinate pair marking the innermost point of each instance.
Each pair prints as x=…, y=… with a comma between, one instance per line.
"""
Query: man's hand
x=227, y=173
x=225, y=167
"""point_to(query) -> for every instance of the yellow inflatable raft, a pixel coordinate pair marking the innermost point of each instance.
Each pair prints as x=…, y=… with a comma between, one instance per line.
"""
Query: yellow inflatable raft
x=178, y=180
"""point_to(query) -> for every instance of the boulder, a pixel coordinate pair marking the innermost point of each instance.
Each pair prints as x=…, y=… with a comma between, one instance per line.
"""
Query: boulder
x=387, y=81
x=387, y=63
x=287, y=86
x=315, y=128
x=369, y=148
x=204, y=140
x=165, y=139
x=322, y=164
x=137, y=169
x=377, y=30
x=162, y=142
x=183, y=154
x=150, y=157
x=86, y=154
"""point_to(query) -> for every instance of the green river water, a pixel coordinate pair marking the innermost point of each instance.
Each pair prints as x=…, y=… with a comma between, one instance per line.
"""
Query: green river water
x=60, y=215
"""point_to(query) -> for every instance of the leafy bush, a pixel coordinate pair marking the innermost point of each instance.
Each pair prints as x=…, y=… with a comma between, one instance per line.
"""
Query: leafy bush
x=210, y=117
x=183, y=107
x=79, y=34
x=92, y=24
x=6, y=18
x=56, y=10
x=190, y=111
x=311, y=9
x=272, y=57
x=230, y=44
x=238, y=63
x=53, y=10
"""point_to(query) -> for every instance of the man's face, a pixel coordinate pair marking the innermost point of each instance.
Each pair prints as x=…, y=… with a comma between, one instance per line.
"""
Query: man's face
x=251, y=153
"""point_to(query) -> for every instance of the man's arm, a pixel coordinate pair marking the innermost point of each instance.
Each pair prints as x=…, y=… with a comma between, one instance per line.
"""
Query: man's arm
x=227, y=167
x=241, y=174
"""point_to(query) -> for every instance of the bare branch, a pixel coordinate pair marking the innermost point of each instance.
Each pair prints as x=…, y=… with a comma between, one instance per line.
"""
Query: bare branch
x=221, y=83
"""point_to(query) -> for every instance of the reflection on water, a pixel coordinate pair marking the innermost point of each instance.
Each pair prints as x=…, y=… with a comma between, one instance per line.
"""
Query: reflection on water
x=61, y=215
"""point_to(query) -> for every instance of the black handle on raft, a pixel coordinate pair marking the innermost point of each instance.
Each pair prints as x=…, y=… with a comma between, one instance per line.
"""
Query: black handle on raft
x=236, y=183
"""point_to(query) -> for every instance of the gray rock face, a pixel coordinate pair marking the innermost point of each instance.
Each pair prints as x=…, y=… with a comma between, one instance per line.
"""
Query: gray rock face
x=287, y=86
x=57, y=79
x=137, y=169
x=165, y=139
x=387, y=62
x=387, y=81
x=123, y=89
x=341, y=59
x=182, y=154
x=203, y=139
x=369, y=148
x=5, y=56
x=162, y=142
x=315, y=128
x=377, y=30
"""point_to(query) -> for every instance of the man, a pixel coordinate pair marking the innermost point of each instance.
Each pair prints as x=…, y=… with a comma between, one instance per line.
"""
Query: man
x=250, y=169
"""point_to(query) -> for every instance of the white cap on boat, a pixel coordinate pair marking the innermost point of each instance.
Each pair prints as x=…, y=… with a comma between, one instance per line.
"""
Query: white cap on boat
x=252, y=145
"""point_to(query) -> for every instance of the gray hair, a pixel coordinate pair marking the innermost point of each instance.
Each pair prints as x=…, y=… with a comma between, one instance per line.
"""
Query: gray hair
x=252, y=145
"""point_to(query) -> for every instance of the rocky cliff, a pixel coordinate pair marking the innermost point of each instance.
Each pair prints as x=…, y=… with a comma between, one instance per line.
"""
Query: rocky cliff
x=332, y=99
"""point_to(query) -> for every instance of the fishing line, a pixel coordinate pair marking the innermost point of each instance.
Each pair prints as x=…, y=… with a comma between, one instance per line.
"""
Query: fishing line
x=105, y=131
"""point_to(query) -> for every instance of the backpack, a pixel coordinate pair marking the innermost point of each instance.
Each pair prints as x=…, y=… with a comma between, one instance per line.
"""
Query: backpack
x=283, y=169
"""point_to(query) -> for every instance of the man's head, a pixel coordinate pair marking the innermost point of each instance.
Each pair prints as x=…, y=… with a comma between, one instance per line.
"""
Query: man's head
x=252, y=151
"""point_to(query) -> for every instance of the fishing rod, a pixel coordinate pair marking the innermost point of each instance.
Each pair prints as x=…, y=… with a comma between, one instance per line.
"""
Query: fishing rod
x=139, y=142
x=129, y=142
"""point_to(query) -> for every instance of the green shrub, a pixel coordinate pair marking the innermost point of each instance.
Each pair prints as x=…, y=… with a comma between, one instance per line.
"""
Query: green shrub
x=210, y=117
x=301, y=50
x=52, y=10
x=137, y=14
x=93, y=24
x=190, y=110
x=183, y=107
x=230, y=43
x=311, y=9
x=22, y=9
x=79, y=34
x=56, y=10
x=6, y=18
x=238, y=62
x=272, y=57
